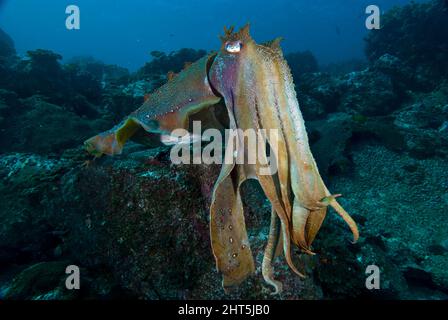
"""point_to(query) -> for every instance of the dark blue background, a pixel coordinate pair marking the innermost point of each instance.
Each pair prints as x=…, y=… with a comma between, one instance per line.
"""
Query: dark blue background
x=124, y=32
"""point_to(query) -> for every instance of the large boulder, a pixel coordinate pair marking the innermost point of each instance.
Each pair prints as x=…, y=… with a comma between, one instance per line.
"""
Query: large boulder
x=34, y=125
x=318, y=94
x=27, y=229
x=136, y=217
x=7, y=48
x=7, y=58
x=416, y=33
x=330, y=139
x=368, y=93
x=148, y=221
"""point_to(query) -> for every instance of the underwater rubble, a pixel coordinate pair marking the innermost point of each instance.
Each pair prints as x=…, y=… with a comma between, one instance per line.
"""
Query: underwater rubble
x=137, y=225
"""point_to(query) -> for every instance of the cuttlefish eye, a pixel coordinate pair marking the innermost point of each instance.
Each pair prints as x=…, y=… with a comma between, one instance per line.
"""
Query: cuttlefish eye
x=233, y=46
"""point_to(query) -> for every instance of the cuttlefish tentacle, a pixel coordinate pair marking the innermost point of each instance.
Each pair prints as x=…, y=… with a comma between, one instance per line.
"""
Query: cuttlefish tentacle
x=268, y=186
x=299, y=222
x=279, y=249
x=270, y=253
x=313, y=224
x=331, y=200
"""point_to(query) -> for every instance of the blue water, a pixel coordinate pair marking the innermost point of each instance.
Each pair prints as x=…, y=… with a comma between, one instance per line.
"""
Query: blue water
x=124, y=32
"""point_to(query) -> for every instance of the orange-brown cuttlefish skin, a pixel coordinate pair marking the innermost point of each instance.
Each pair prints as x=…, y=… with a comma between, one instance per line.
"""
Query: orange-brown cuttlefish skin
x=253, y=82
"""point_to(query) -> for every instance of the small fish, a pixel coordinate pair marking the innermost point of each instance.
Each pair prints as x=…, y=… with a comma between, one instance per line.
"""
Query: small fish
x=170, y=75
x=338, y=31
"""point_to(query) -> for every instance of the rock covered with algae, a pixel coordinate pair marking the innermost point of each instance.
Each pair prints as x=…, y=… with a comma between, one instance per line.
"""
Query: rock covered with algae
x=137, y=217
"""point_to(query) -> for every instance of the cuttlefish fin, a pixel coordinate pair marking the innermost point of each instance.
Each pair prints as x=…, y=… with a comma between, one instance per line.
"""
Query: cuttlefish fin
x=270, y=254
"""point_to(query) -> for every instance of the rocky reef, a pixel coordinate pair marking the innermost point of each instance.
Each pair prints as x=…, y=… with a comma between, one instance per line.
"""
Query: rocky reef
x=137, y=225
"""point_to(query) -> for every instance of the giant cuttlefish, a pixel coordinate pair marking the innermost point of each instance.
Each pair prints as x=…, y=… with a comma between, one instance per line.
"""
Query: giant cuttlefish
x=254, y=84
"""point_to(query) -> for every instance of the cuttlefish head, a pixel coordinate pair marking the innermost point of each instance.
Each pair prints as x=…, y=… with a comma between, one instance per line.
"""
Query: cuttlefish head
x=229, y=74
x=227, y=66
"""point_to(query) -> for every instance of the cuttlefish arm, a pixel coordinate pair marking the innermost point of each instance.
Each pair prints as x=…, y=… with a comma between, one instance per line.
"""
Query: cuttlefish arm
x=165, y=110
x=230, y=243
x=270, y=252
x=229, y=239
